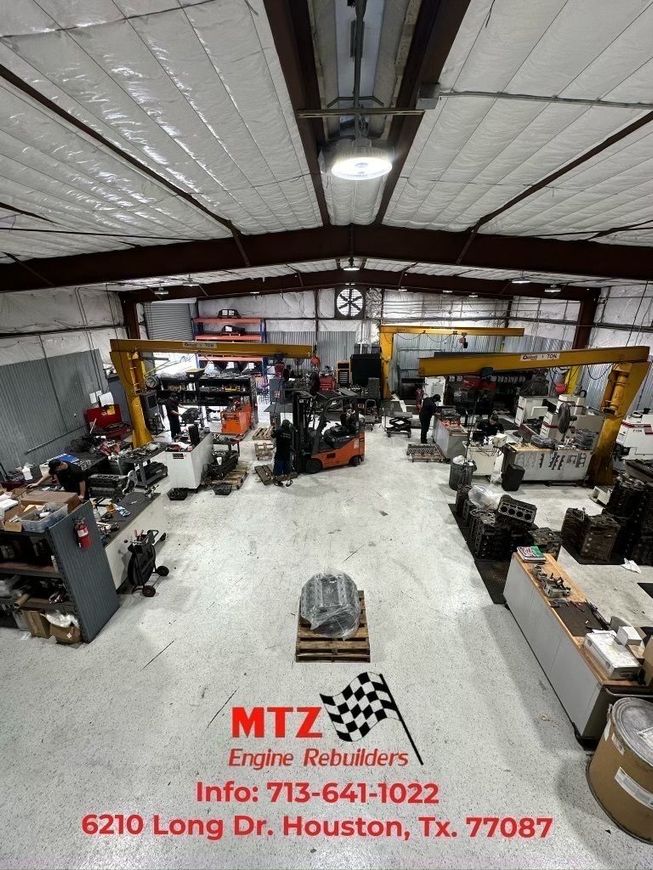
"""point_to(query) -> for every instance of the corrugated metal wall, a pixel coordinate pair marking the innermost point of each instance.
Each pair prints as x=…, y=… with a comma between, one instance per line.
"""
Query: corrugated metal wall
x=534, y=344
x=331, y=346
x=595, y=379
x=409, y=348
x=42, y=404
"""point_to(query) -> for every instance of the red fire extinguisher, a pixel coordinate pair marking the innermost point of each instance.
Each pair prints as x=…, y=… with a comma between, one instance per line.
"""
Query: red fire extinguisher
x=83, y=536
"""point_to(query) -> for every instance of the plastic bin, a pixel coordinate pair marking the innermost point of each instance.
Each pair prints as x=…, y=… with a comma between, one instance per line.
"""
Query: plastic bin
x=32, y=522
x=512, y=477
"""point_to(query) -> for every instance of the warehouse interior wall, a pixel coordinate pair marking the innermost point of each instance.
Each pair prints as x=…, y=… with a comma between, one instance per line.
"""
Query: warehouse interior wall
x=53, y=348
x=47, y=323
x=43, y=402
x=624, y=317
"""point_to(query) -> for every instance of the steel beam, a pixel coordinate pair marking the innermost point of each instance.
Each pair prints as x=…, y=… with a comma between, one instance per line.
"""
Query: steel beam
x=225, y=348
x=436, y=28
x=291, y=30
x=473, y=363
x=586, y=318
x=411, y=281
x=519, y=253
x=130, y=316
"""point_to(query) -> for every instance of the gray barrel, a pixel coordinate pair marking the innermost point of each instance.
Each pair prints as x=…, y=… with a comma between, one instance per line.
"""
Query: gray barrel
x=460, y=472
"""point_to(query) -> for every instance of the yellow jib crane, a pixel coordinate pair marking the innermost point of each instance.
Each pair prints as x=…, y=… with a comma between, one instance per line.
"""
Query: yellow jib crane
x=630, y=366
x=387, y=334
x=127, y=357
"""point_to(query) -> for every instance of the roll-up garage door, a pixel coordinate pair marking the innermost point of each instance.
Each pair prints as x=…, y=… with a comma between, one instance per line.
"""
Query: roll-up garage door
x=170, y=320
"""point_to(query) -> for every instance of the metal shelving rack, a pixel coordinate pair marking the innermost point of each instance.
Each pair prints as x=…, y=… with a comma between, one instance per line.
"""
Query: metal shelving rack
x=202, y=332
x=84, y=573
x=224, y=388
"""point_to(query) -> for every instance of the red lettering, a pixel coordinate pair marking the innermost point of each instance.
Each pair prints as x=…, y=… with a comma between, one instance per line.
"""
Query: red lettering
x=244, y=722
x=304, y=729
x=280, y=719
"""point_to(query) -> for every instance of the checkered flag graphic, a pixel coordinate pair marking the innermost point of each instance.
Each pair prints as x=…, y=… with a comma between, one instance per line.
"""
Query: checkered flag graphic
x=364, y=703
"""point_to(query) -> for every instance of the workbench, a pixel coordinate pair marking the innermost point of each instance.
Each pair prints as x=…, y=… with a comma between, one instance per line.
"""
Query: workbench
x=545, y=464
x=145, y=512
x=185, y=467
x=451, y=438
x=484, y=459
x=582, y=688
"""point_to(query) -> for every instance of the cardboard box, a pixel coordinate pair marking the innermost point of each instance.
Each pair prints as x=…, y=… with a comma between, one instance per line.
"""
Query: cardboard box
x=70, y=634
x=11, y=522
x=41, y=497
x=648, y=663
x=37, y=623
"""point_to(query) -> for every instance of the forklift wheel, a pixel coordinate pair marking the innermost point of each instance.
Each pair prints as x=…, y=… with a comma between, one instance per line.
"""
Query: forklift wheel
x=148, y=591
x=162, y=571
x=313, y=466
x=355, y=460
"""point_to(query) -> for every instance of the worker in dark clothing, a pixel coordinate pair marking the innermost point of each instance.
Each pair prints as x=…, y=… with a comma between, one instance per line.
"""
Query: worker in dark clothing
x=425, y=416
x=69, y=477
x=172, y=410
x=283, y=437
x=353, y=420
x=314, y=388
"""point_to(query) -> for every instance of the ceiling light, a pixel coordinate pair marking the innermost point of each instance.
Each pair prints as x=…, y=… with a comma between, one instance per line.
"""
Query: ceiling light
x=402, y=289
x=351, y=266
x=520, y=280
x=473, y=295
x=254, y=292
x=553, y=289
x=447, y=291
x=160, y=291
x=359, y=160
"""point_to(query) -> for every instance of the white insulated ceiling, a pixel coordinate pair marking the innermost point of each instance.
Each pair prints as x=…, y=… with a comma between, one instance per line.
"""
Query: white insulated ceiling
x=192, y=89
x=473, y=154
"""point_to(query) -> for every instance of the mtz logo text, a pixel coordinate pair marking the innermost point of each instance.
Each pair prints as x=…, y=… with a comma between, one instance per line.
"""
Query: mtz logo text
x=258, y=721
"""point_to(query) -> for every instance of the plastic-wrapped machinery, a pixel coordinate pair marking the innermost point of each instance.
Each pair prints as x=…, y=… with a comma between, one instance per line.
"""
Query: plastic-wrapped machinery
x=330, y=603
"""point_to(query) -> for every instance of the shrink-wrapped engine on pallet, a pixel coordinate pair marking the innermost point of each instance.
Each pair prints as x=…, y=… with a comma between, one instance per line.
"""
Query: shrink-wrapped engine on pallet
x=330, y=603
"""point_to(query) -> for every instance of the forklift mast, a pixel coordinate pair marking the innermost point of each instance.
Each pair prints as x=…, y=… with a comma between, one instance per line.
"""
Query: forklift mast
x=309, y=419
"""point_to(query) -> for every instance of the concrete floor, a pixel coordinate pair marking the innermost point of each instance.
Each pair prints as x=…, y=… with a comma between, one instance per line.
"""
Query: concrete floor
x=128, y=723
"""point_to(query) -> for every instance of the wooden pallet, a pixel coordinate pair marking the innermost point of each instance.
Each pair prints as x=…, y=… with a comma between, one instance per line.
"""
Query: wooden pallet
x=266, y=477
x=263, y=433
x=264, y=449
x=264, y=474
x=425, y=453
x=236, y=477
x=311, y=647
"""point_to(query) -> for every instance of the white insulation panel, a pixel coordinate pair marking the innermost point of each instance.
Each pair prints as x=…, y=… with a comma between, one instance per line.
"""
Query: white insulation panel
x=473, y=154
x=194, y=91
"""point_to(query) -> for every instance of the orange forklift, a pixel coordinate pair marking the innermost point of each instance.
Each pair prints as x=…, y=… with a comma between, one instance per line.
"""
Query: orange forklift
x=315, y=446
